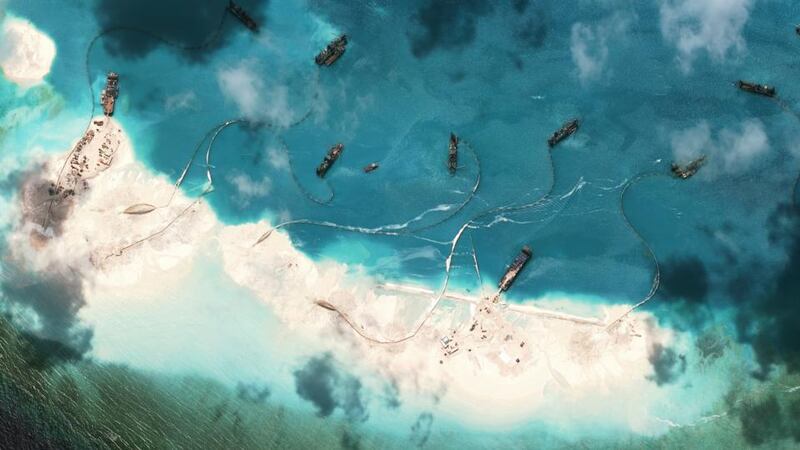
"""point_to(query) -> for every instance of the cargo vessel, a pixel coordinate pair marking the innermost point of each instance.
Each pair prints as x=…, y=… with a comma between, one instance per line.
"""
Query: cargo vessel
x=243, y=16
x=332, y=52
x=108, y=96
x=564, y=132
x=370, y=167
x=330, y=158
x=688, y=170
x=514, y=269
x=452, y=156
x=760, y=89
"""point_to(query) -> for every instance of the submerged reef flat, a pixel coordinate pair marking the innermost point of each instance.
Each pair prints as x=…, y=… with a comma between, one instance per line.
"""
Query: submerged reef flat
x=510, y=362
x=234, y=224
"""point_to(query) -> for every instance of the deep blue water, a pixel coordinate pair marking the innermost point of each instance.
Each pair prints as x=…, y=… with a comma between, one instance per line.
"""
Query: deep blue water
x=501, y=76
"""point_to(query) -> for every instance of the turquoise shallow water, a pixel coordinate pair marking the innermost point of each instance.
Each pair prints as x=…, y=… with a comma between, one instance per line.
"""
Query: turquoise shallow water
x=503, y=92
x=503, y=77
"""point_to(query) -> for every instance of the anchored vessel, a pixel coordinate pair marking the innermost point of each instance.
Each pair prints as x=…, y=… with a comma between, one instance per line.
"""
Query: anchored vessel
x=370, y=167
x=688, y=170
x=243, y=17
x=108, y=96
x=330, y=158
x=514, y=269
x=797, y=30
x=333, y=51
x=452, y=157
x=564, y=132
x=760, y=89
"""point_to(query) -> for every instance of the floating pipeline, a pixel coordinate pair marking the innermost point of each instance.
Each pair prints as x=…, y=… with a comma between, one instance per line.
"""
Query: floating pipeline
x=120, y=251
x=453, y=243
x=499, y=213
x=397, y=229
x=657, y=266
x=424, y=318
x=213, y=37
x=146, y=208
x=207, y=190
x=207, y=43
x=293, y=173
x=393, y=227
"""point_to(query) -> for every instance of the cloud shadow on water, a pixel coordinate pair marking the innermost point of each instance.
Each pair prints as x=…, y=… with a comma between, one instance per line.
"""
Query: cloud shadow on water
x=446, y=24
x=186, y=23
x=321, y=382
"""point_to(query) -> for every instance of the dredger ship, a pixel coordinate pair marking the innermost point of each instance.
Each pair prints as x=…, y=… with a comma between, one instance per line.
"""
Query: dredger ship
x=330, y=158
x=332, y=52
x=760, y=89
x=452, y=156
x=688, y=170
x=564, y=132
x=243, y=16
x=514, y=269
x=108, y=96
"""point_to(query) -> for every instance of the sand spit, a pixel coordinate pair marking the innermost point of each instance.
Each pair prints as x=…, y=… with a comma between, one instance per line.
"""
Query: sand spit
x=500, y=358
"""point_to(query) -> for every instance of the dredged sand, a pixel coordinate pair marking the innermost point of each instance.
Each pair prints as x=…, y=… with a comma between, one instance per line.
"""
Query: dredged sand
x=565, y=368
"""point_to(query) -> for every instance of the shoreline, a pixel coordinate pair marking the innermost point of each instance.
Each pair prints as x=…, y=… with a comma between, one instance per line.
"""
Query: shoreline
x=520, y=360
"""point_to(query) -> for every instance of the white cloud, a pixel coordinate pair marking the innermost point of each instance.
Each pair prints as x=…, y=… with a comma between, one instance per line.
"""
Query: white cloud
x=26, y=54
x=589, y=45
x=744, y=146
x=733, y=151
x=256, y=99
x=714, y=26
x=278, y=158
x=691, y=143
x=248, y=188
